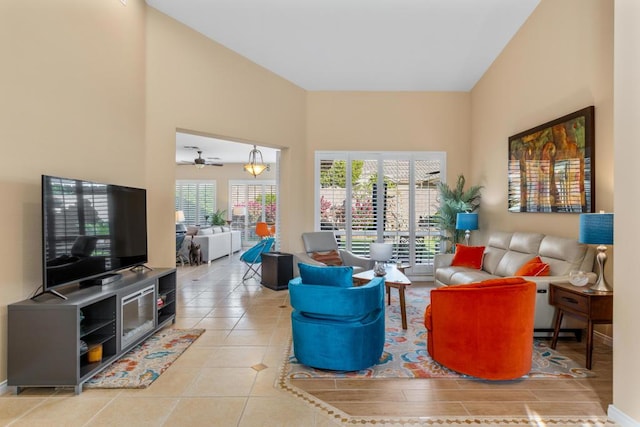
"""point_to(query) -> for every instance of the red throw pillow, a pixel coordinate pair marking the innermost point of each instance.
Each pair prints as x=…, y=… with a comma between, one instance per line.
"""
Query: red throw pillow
x=468, y=256
x=533, y=267
x=327, y=258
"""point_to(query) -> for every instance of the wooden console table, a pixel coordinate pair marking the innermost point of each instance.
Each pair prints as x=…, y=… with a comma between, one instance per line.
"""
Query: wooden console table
x=594, y=307
x=394, y=278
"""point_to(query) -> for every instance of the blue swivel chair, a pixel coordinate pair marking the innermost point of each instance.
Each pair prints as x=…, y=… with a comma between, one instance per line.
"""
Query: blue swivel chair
x=253, y=257
x=335, y=325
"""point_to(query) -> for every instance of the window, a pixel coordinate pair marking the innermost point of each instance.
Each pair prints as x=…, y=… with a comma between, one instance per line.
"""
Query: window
x=252, y=202
x=381, y=197
x=197, y=199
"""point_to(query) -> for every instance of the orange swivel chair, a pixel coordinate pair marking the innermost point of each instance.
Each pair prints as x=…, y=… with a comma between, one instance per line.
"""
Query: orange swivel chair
x=263, y=230
x=483, y=329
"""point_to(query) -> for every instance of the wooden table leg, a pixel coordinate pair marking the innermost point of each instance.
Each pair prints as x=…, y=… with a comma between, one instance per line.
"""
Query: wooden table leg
x=589, y=343
x=388, y=289
x=556, y=328
x=403, y=308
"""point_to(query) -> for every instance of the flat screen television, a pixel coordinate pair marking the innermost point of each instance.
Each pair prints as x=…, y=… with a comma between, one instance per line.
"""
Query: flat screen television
x=90, y=230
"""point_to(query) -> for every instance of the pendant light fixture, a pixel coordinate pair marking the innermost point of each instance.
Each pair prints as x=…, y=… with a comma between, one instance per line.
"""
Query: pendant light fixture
x=255, y=167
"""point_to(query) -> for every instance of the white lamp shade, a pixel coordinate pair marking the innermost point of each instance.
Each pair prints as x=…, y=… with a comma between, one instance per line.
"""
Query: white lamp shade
x=380, y=251
x=239, y=210
x=179, y=216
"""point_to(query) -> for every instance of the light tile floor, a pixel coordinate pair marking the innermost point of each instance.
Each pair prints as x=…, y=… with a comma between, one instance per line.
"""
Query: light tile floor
x=227, y=377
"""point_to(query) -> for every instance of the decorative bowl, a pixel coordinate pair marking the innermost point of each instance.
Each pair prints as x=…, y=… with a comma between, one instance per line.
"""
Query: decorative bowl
x=578, y=278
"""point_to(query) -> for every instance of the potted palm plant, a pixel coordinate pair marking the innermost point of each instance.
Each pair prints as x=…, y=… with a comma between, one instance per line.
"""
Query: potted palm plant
x=453, y=201
x=219, y=217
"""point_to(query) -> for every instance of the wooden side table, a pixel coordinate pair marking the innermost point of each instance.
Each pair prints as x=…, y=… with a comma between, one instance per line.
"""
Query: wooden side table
x=594, y=307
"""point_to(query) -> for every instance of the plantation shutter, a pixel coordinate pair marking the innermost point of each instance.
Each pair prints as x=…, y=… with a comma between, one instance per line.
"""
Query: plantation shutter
x=197, y=199
x=251, y=202
x=386, y=197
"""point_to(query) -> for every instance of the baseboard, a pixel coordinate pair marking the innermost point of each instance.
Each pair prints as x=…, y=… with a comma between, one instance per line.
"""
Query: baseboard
x=3, y=387
x=621, y=418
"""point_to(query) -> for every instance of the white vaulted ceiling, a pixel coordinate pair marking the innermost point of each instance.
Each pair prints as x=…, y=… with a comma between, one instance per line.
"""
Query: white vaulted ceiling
x=362, y=45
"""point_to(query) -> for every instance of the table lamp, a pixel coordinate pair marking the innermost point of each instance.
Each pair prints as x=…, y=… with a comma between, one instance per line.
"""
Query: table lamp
x=467, y=221
x=597, y=229
x=380, y=253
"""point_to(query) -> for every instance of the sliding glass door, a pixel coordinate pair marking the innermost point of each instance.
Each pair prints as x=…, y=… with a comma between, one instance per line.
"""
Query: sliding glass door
x=386, y=197
x=252, y=202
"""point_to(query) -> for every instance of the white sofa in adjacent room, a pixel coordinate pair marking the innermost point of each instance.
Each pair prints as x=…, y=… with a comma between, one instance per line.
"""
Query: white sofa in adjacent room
x=215, y=242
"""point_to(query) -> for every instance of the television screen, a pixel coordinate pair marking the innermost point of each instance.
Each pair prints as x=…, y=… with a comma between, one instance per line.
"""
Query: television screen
x=90, y=229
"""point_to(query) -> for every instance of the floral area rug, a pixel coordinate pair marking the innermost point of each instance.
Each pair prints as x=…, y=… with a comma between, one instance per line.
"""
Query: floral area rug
x=143, y=364
x=405, y=351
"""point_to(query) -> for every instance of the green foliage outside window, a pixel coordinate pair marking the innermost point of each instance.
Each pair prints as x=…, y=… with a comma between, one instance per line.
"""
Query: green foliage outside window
x=336, y=175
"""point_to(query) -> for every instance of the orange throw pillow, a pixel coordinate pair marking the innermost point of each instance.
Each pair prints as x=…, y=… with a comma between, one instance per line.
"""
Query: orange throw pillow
x=534, y=267
x=468, y=256
x=327, y=258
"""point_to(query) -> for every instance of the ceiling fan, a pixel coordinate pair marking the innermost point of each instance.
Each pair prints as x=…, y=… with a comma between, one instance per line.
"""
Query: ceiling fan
x=200, y=162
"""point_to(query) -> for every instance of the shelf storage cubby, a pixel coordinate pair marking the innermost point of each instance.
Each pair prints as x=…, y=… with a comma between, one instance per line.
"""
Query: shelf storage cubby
x=47, y=336
x=166, y=294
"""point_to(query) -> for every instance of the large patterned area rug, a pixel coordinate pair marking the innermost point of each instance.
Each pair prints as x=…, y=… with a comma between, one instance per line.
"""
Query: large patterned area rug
x=143, y=364
x=405, y=351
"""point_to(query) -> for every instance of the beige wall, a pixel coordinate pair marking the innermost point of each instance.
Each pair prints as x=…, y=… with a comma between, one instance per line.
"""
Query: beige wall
x=626, y=299
x=72, y=104
x=197, y=85
x=388, y=121
x=560, y=61
x=552, y=67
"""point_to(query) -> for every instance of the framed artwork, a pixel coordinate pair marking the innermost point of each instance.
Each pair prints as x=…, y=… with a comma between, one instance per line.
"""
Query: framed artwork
x=551, y=167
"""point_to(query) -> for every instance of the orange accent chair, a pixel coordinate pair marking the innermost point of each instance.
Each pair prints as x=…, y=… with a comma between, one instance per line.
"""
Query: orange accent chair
x=263, y=230
x=483, y=329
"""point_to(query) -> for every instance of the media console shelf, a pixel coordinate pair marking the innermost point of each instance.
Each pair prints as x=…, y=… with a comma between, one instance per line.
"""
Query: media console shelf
x=46, y=335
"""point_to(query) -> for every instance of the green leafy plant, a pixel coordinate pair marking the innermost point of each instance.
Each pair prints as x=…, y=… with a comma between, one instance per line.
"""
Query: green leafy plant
x=219, y=217
x=453, y=201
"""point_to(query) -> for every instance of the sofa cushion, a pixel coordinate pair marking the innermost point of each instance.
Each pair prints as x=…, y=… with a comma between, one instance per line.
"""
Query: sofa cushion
x=205, y=231
x=468, y=275
x=327, y=258
x=563, y=255
x=533, y=267
x=326, y=276
x=468, y=256
x=511, y=262
x=526, y=242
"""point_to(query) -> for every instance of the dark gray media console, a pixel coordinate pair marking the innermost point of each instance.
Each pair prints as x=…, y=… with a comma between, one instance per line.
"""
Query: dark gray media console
x=46, y=335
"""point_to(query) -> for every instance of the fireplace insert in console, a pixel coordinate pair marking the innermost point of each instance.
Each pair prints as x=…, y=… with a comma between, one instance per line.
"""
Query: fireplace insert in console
x=138, y=311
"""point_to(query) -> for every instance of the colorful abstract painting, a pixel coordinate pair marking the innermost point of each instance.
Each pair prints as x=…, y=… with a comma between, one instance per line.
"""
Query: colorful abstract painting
x=551, y=167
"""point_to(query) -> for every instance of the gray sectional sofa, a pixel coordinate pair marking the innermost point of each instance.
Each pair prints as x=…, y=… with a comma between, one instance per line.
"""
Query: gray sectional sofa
x=506, y=252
